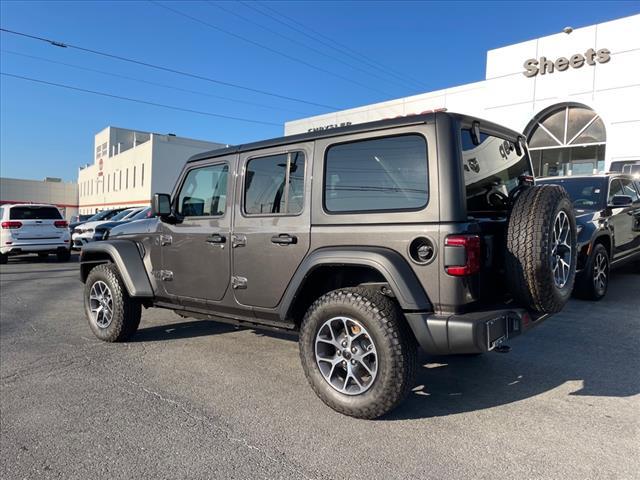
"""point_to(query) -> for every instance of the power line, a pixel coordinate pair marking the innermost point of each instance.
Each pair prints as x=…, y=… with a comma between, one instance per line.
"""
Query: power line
x=267, y=48
x=298, y=42
x=56, y=43
x=344, y=49
x=163, y=85
x=137, y=100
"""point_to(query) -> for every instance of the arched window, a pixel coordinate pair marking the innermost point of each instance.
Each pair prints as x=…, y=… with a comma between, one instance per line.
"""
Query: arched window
x=567, y=140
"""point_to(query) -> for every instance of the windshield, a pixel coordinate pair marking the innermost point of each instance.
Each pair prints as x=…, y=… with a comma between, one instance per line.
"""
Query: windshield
x=121, y=215
x=142, y=214
x=492, y=170
x=585, y=193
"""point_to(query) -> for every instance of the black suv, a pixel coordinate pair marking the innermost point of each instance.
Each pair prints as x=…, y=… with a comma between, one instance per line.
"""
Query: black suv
x=608, y=217
x=368, y=240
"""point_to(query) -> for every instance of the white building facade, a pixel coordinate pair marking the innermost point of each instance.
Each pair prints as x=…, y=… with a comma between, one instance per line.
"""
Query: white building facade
x=129, y=166
x=576, y=97
x=63, y=195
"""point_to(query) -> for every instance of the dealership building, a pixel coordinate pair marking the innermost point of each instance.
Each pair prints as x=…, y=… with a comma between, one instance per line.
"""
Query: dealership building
x=575, y=95
x=63, y=195
x=130, y=165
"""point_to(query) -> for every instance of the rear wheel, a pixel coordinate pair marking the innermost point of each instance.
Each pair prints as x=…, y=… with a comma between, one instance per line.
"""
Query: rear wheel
x=593, y=281
x=43, y=255
x=357, y=352
x=541, y=248
x=113, y=315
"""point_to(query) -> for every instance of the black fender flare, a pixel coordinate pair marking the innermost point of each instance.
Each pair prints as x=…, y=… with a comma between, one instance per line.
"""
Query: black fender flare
x=126, y=256
x=390, y=264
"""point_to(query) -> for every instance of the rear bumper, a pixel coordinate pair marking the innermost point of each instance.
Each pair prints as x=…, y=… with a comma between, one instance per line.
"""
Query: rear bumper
x=474, y=332
x=22, y=248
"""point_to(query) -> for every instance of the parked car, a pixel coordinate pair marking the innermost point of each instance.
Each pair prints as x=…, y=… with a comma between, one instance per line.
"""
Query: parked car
x=77, y=219
x=83, y=234
x=367, y=240
x=631, y=167
x=102, y=231
x=33, y=228
x=608, y=218
x=103, y=215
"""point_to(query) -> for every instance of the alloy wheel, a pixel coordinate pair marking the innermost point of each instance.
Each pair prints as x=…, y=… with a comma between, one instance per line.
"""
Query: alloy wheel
x=101, y=304
x=561, y=250
x=600, y=272
x=346, y=355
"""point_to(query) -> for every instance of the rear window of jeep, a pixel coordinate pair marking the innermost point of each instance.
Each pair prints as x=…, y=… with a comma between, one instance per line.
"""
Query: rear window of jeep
x=375, y=175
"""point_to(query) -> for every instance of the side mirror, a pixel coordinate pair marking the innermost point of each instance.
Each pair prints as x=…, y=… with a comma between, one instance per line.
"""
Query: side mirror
x=161, y=205
x=621, y=201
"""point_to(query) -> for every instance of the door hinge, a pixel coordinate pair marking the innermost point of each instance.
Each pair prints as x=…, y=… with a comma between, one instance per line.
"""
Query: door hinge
x=164, y=275
x=238, y=240
x=165, y=240
x=238, y=283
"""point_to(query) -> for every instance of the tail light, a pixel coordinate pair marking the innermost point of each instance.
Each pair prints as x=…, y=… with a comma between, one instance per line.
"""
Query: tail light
x=61, y=224
x=11, y=224
x=462, y=255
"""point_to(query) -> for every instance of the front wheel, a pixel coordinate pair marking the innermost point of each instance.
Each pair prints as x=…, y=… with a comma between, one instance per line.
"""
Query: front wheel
x=113, y=315
x=357, y=352
x=593, y=281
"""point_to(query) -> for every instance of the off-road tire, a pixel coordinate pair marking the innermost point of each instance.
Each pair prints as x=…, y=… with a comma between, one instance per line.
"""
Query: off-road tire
x=395, y=344
x=585, y=287
x=529, y=246
x=126, y=310
x=64, y=256
x=4, y=258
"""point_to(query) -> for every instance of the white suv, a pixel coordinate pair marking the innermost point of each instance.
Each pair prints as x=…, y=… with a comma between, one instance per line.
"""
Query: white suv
x=33, y=228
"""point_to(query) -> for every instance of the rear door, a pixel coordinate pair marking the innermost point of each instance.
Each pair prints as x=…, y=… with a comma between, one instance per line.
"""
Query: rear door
x=38, y=223
x=272, y=222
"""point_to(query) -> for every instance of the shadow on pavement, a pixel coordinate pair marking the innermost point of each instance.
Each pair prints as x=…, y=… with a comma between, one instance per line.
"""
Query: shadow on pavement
x=592, y=345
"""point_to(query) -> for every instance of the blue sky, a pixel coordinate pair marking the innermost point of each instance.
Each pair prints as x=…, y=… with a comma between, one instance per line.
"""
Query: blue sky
x=48, y=131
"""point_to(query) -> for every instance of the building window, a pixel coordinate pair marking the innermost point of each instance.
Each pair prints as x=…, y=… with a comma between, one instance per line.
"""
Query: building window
x=126, y=180
x=142, y=175
x=567, y=140
x=134, y=177
x=120, y=180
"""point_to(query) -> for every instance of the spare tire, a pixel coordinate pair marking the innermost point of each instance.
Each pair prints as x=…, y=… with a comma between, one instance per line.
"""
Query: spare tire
x=541, y=248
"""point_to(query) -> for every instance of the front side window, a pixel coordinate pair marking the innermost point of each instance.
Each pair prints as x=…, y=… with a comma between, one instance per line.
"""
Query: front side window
x=492, y=170
x=204, y=192
x=628, y=189
x=274, y=185
x=615, y=188
x=381, y=174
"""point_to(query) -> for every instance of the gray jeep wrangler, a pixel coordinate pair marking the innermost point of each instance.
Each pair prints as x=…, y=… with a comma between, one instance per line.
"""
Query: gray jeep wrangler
x=369, y=240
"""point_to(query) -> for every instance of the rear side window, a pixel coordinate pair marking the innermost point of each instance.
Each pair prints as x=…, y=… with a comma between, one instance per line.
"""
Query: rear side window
x=274, y=185
x=377, y=175
x=204, y=192
x=34, y=213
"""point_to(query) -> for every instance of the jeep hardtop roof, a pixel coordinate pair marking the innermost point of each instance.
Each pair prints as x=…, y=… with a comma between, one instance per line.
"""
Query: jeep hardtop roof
x=425, y=118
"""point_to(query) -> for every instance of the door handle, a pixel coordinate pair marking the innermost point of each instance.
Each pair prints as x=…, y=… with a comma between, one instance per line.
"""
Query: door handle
x=216, y=239
x=284, y=239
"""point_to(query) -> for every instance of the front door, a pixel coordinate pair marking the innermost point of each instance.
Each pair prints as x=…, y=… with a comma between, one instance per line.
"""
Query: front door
x=623, y=219
x=271, y=223
x=195, y=251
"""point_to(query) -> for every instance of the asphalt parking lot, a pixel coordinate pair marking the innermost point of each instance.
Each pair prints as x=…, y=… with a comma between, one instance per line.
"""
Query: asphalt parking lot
x=195, y=399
